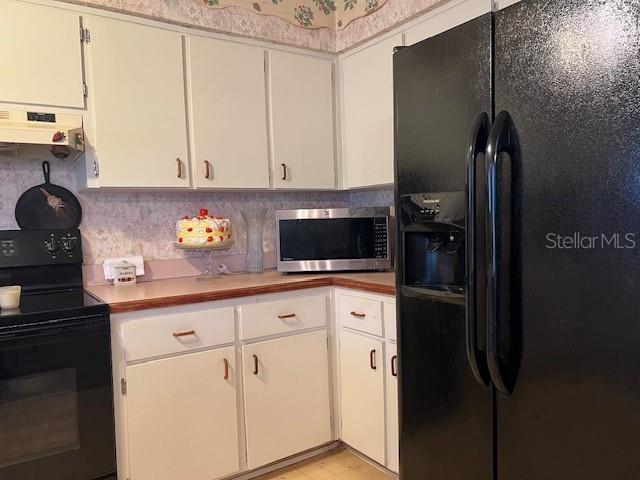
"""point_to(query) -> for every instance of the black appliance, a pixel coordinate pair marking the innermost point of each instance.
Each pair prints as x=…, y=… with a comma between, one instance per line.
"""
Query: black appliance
x=433, y=230
x=534, y=372
x=56, y=394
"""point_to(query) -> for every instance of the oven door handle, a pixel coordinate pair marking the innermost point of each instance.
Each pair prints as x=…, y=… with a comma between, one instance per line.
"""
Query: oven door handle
x=79, y=326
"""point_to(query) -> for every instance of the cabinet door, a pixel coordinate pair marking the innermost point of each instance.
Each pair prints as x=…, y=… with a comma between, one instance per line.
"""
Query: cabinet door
x=40, y=55
x=367, y=102
x=391, y=372
x=362, y=394
x=136, y=85
x=447, y=18
x=302, y=121
x=286, y=396
x=227, y=104
x=182, y=417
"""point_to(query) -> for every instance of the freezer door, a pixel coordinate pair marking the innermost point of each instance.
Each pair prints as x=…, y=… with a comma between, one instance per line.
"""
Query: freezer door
x=568, y=338
x=442, y=86
x=445, y=413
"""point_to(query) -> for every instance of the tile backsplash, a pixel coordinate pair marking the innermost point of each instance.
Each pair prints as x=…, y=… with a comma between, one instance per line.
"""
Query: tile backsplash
x=117, y=223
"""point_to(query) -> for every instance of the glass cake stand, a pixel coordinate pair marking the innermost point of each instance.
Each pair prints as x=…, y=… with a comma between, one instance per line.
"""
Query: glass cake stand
x=209, y=272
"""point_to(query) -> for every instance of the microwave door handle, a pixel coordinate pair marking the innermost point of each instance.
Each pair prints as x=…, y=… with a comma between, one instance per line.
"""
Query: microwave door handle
x=475, y=156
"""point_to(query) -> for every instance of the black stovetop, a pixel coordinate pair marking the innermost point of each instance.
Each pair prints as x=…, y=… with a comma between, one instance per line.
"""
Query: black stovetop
x=52, y=305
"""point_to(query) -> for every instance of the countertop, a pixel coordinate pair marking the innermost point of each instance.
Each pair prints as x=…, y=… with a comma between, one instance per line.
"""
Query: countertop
x=182, y=291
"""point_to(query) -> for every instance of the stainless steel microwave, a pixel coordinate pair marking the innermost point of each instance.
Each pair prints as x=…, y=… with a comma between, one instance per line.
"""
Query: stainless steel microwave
x=336, y=239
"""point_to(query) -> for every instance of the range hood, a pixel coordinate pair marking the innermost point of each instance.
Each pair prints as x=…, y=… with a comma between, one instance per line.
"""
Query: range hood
x=62, y=131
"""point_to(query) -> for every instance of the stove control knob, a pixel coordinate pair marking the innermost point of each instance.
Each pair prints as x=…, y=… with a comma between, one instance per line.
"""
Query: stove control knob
x=69, y=244
x=52, y=245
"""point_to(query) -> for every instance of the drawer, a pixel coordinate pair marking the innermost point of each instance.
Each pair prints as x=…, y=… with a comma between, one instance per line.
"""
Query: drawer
x=177, y=332
x=389, y=310
x=281, y=316
x=360, y=314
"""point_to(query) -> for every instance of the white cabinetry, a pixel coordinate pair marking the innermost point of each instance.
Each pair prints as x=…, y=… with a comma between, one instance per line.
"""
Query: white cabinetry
x=286, y=384
x=40, y=55
x=302, y=121
x=183, y=409
x=367, y=106
x=136, y=84
x=227, y=105
x=182, y=420
x=391, y=372
x=368, y=367
x=362, y=394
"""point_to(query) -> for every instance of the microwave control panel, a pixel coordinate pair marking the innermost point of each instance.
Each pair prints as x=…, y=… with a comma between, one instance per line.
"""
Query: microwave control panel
x=381, y=237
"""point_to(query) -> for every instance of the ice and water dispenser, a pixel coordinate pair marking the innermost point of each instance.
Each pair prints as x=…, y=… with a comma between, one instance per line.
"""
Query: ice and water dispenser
x=432, y=226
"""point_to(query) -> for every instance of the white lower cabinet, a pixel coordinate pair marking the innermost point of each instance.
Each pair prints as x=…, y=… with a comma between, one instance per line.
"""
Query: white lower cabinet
x=182, y=417
x=368, y=370
x=286, y=389
x=362, y=394
x=391, y=372
x=211, y=390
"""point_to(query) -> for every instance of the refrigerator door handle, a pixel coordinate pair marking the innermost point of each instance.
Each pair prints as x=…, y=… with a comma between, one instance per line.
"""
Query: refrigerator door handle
x=500, y=148
x=475, y=153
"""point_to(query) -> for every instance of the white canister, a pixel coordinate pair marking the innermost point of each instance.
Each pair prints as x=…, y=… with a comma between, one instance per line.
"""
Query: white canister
x=10, y=297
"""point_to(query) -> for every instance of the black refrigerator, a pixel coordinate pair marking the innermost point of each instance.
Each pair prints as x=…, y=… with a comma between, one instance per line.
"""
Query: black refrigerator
x=517, y=139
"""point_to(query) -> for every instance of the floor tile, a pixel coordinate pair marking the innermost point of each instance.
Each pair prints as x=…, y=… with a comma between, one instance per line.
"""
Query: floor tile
x=335, y=465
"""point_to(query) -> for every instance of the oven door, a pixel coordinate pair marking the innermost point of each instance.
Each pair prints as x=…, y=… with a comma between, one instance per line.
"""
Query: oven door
x=56, y=401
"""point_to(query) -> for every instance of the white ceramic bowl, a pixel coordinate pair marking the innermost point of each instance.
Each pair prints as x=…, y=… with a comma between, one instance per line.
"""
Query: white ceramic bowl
x=10, y=297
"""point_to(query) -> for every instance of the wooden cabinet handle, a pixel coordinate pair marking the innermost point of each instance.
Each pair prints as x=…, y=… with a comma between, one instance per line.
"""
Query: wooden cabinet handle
x=226, y=369
x=358, y=315
x=372, y=360
x=394, y=365
x=288, y=315
x=179, y=163
x=284, y=171
x=184, y=334
x=207, y=169
x=255, y=365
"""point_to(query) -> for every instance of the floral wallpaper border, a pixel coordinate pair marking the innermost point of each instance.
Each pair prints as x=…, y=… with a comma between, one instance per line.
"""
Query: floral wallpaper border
x=331, y=14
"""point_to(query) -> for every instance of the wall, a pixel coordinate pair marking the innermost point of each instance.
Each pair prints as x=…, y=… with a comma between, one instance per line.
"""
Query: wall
x=120, y=223
x=335, y=32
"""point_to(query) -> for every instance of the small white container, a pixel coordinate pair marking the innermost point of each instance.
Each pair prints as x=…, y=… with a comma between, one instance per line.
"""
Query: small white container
x=10, y=297
x=124, y=273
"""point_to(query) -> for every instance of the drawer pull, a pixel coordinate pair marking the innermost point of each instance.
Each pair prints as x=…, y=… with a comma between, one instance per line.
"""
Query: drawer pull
x=288, y=315
x=358, y=315
x=187, y=333
x=372, y=360
x=394, y=366
x=226, y=369
x=255, y=365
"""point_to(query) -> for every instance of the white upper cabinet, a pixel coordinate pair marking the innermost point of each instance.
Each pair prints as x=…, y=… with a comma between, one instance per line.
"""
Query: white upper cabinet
x=367, y=105
x=302, y=121
x=40, y=55
x=137, y=92
x=227, y=105
x=446, y=18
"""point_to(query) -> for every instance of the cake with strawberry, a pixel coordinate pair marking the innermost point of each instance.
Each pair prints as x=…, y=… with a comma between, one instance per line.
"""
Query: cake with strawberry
x=203, y=231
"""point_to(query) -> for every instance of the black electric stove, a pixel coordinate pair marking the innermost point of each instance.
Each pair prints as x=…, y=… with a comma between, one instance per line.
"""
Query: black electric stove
x=56, y=394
